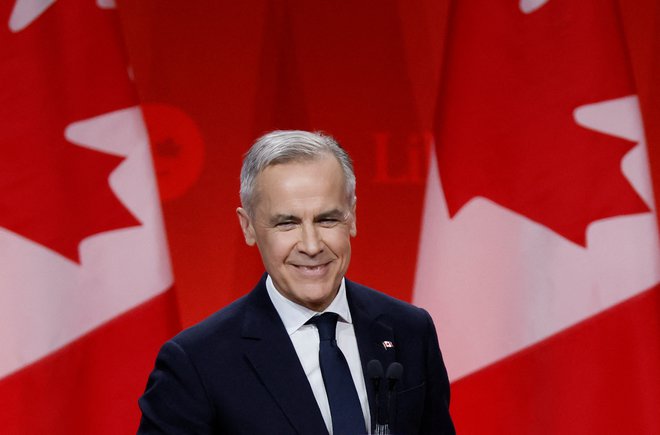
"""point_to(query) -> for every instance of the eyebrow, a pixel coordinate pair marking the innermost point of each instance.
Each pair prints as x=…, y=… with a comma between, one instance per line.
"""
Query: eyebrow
x=334, y=214
x=283, y=218
x=330, y=214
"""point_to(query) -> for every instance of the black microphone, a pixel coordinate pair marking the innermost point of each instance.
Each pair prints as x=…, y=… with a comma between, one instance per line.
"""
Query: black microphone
x=375, y=373
x=394, y=372
x=393, y=375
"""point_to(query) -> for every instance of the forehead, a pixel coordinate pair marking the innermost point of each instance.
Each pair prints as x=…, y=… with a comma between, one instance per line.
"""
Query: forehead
x=302, y=183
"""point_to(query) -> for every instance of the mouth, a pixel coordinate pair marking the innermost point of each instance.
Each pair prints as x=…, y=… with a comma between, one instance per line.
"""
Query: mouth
x=311, y=269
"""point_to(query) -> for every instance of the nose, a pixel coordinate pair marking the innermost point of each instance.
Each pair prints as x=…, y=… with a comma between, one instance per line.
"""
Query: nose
x=310, y=242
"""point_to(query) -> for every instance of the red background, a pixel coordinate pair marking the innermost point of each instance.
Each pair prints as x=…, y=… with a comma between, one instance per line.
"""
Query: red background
x=214, y=75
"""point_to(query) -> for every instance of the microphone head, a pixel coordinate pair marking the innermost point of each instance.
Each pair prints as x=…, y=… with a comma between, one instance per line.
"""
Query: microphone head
x=394, y=371
x=374, y=369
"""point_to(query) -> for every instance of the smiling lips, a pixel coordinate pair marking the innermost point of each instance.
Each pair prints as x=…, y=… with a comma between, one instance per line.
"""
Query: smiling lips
x=312, y=269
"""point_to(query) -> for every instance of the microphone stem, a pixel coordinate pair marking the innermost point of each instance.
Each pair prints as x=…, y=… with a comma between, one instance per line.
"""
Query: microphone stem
x=382, y=429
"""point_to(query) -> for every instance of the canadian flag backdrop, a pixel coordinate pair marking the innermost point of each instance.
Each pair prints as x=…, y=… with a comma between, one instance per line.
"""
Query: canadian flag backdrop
x=539, y=253
x=84, y=267
x=507, y=154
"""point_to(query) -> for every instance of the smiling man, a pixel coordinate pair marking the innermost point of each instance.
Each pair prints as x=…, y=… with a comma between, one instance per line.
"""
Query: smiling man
x=304, y=351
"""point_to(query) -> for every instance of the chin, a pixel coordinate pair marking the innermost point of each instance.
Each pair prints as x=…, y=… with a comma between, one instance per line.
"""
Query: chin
x=319, y=298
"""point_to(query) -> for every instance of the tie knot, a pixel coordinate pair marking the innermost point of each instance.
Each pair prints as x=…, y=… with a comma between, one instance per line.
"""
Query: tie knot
x=326, y=323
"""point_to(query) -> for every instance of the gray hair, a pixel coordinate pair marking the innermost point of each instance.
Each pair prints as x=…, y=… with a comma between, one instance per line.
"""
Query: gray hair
x=282, y=146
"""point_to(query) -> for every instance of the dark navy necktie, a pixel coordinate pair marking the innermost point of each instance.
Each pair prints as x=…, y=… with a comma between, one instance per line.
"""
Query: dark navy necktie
x=347, y=417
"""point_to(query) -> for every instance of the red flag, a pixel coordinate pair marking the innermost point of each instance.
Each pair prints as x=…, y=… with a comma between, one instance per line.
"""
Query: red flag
x=539, y=255
x=84, y=269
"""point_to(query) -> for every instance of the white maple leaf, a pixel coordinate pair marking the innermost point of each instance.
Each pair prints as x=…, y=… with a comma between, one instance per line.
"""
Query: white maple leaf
x=54, y=301
x=529, y=6
x=25, y=12
x=496, y=282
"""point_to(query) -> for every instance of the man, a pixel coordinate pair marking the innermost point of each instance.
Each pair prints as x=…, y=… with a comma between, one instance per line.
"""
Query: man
x=270, y=363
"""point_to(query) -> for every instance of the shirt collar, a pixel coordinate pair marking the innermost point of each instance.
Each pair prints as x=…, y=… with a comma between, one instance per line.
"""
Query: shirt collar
x=294, y=315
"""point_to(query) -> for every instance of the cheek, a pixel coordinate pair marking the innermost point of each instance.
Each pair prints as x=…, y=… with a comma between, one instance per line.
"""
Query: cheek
x=338, y=241
x=278, y=246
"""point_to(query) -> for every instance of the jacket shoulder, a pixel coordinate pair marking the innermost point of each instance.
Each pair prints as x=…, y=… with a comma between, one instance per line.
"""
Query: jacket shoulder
x=222, y=325
x=384, y=305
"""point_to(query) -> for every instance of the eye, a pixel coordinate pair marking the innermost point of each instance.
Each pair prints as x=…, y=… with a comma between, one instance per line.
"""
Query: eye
x=285, y=225
x=328, y=222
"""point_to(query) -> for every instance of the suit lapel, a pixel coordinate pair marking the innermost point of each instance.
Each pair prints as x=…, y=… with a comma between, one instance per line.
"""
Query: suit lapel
x=274, y=359
x=373, y=334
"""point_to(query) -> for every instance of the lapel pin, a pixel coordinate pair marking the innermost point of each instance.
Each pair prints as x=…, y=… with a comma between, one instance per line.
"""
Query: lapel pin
x=388, y=344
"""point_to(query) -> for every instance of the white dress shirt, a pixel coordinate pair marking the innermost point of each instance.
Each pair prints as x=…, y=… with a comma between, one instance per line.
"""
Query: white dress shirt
x=305, y=339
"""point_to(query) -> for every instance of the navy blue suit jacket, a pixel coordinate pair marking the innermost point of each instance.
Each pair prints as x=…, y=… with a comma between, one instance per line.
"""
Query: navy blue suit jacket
x=237, y=372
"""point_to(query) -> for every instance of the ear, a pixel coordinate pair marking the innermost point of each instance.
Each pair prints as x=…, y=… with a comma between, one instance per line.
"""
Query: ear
x=353, y=230
x=246, y=226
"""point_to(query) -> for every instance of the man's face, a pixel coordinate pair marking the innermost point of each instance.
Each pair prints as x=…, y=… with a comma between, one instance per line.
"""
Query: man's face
x=302, y=224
